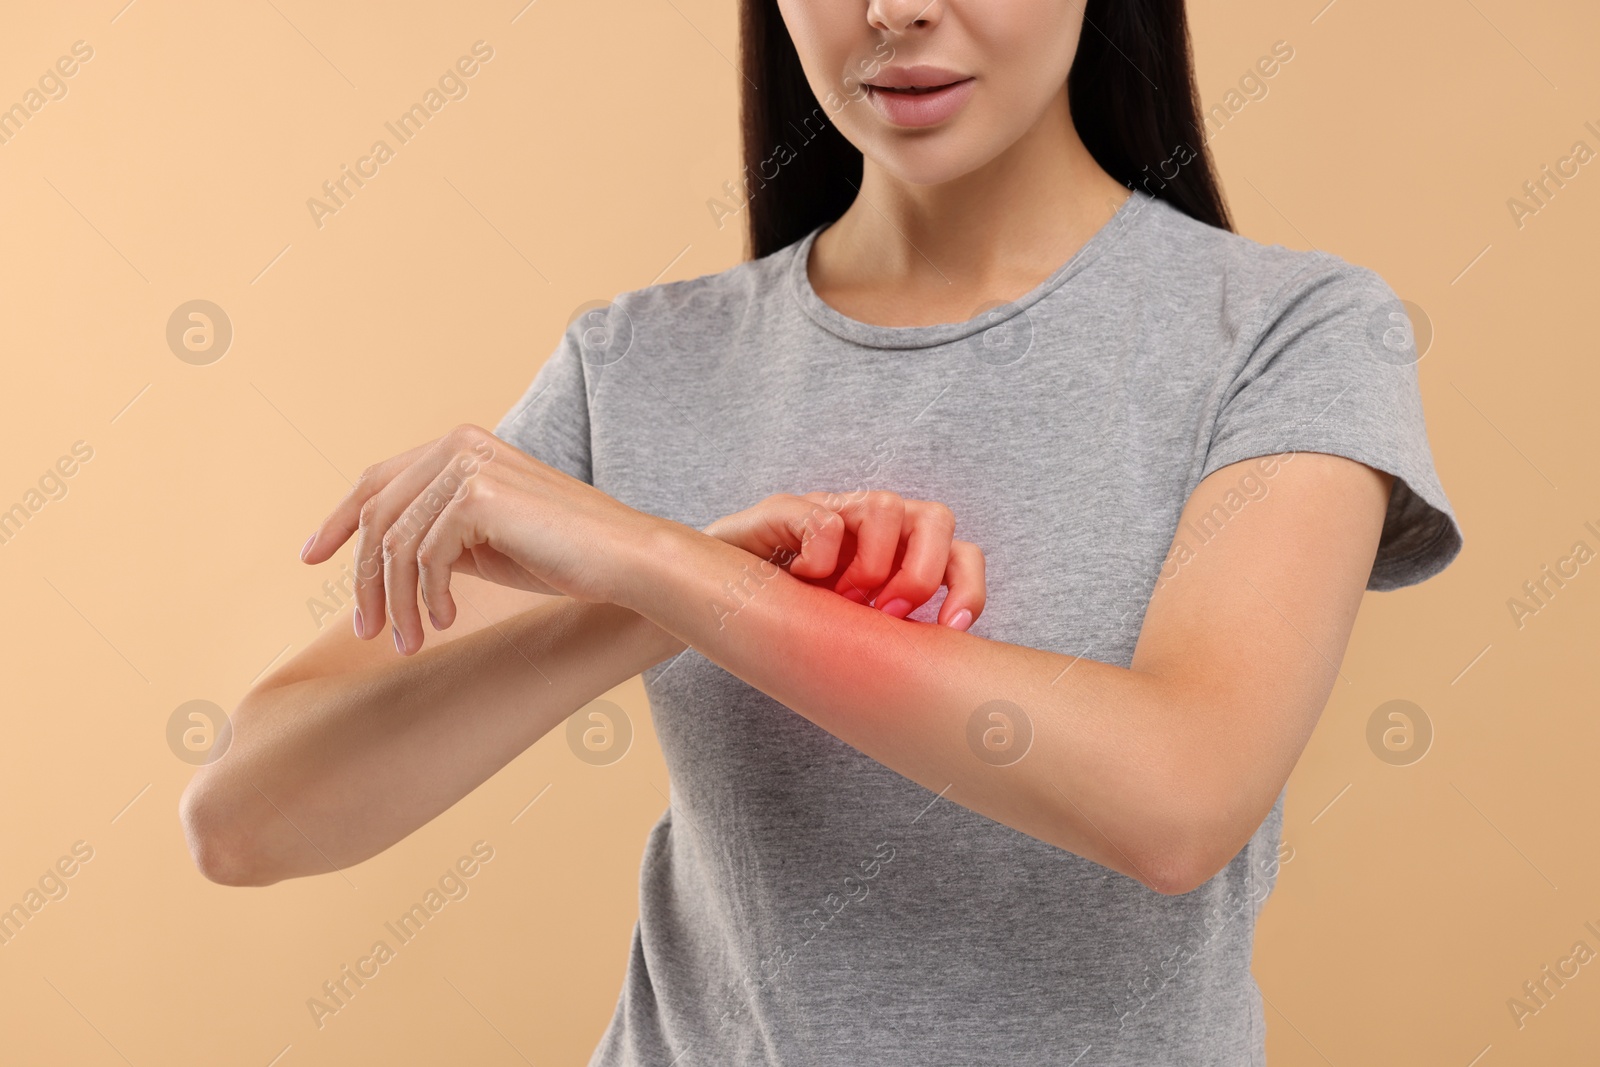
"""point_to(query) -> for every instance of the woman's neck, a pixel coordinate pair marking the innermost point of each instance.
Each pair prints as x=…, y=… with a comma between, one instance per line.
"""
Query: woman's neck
x=916, y=255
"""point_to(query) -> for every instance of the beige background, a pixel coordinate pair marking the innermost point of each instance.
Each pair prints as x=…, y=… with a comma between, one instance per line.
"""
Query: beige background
x=177, y=167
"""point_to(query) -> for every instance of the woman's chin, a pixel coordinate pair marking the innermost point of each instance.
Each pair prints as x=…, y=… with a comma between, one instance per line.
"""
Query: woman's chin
x=933, y=159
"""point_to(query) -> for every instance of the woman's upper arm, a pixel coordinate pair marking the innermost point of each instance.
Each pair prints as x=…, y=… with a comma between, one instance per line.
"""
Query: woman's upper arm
x=1249, y=622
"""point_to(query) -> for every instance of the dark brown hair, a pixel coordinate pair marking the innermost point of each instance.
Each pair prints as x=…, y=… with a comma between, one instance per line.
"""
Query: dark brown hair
x=1131, y=91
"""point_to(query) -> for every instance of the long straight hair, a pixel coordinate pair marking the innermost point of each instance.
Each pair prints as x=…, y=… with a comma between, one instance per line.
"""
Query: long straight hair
x=1132, y=97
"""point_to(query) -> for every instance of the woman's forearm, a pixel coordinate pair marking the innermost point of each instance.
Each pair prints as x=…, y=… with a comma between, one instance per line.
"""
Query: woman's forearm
x=326, y=771
x=350, y=746
x=1108, y=773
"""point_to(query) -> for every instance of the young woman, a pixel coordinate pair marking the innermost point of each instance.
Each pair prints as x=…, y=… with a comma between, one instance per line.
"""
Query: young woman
x=993, y=288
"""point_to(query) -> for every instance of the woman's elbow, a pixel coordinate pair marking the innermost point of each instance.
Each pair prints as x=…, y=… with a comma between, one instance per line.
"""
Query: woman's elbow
x=1196, y=847
x=222, y=853
x=1182, y=872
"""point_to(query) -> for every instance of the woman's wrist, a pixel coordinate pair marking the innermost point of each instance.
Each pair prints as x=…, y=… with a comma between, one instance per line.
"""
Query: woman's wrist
x=668, y=564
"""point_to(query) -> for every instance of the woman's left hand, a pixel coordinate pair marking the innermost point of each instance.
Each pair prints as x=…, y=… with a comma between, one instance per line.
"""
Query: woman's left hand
x=469, y=502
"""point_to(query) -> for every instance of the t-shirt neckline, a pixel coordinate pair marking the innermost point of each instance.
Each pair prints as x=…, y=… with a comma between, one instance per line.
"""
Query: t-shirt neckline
x=875, y=336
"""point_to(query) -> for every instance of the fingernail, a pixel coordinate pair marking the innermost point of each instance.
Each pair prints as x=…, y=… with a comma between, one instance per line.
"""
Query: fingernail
x=961, y=620
x=307, y=547
x=434, y=619
x=359, y=631
x=399, y=645
x=898, y=607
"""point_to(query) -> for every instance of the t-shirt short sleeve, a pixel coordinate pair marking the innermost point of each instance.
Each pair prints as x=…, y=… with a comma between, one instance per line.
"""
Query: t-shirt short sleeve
x=551, y=420
x=1334, y=370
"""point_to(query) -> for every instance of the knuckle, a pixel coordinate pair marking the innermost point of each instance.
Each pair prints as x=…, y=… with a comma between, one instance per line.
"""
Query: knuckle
x=826, y=520
x=393, y=544
x=882, y=499
x=921, y=581
x=873, y=578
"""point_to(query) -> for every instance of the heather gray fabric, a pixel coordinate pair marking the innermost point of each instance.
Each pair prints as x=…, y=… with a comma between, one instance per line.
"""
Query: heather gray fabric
x=803, y=904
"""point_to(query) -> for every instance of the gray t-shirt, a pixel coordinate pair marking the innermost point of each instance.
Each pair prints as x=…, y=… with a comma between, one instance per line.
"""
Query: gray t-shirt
x=801, y=903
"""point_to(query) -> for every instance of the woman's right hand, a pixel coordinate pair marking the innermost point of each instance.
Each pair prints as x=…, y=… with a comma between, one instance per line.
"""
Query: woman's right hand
x=873, y=547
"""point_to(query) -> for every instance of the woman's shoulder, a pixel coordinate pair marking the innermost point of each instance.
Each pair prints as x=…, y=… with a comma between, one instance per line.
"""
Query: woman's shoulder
x=1221, y=265
x=715, y=301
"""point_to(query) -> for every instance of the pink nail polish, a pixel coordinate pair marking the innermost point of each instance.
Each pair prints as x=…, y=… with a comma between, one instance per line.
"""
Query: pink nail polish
x=399, y=645
x=899, y=607
x=961, y=620
x=357, y=620
x=307, y=547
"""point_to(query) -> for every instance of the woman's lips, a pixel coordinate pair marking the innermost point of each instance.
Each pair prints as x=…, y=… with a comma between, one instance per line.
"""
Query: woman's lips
x=920, y=107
